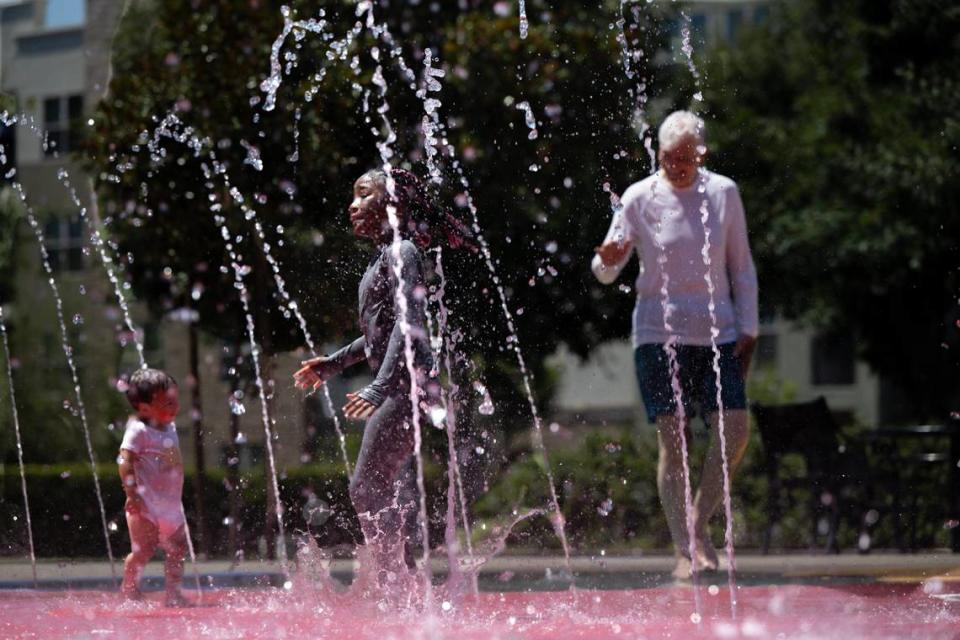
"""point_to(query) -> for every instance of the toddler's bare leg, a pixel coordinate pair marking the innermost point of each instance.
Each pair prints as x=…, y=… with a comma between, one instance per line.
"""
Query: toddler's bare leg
x=176, y=549
x=143, y=543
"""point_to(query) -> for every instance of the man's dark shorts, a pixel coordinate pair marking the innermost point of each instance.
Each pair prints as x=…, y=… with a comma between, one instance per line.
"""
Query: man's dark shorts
x=696, y=376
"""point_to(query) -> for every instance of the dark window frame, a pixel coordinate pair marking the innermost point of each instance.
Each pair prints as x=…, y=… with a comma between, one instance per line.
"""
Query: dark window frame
x=64, y=241
x=833, y=360
x=62, y=122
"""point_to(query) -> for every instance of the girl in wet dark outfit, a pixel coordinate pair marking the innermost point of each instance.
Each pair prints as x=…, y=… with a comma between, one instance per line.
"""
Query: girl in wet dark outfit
x=382, y=488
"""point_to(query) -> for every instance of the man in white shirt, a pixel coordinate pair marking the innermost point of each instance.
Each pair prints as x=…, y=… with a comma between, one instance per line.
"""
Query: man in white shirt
x=696, y=311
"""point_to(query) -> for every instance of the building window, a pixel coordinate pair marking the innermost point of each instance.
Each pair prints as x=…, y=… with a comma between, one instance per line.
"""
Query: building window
x=61, y=120
x=734, y=22
x=834, y=360
x=65, y=13
x=8, y=139
x=761, y=15
x=64, y=243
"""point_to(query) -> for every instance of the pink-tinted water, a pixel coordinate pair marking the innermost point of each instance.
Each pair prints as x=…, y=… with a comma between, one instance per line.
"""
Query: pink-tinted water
x=791, y=611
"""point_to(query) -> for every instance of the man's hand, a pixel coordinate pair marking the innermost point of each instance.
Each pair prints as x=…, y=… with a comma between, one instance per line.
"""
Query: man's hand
x=743, y=350
x=308, y=377
x=611, y=253
x=357, y=408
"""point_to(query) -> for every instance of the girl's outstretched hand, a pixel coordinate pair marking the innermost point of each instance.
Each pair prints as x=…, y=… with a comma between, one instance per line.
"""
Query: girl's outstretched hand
x=357, y=408
x=308, y=377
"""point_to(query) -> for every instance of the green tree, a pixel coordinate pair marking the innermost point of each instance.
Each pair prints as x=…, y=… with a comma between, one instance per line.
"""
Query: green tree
x=845, y=144
x=542, y=223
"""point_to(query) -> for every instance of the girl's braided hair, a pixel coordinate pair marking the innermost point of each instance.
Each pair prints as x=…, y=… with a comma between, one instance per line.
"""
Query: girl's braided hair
x=422, y=219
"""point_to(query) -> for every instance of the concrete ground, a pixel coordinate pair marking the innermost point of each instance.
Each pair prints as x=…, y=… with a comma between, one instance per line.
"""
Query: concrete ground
x=637, y=570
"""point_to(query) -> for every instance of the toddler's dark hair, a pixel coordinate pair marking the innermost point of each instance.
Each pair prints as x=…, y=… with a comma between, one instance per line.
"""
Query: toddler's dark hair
x=144, y=384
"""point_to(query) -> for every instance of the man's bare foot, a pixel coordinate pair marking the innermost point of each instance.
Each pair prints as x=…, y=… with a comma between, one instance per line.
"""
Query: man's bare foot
x=707, y=558
x=176, y=599
x=684, y=568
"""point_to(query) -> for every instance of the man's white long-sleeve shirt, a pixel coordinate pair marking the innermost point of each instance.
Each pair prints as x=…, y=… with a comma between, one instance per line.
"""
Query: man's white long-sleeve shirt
x=664, y=224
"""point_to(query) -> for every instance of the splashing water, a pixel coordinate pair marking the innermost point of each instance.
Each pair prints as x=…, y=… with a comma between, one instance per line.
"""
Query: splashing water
x=453, y=466
x=714, y=332
x=272, y=83
x=386, y=154
x=671, y=350
x=486, y=403
x=68, y=352
x=557, y=519
x=636, y=90
x=687, y=48
x=338, y=49
x=619, y=224
x=524, y=23
x=96, y=238
x=107, y=261
x=529, y=118
x=431, y=117
x=171, y=127
x=721, y=426
x=16, y=430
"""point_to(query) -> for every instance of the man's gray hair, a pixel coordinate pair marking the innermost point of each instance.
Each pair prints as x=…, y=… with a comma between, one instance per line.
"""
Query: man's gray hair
x=680, y=125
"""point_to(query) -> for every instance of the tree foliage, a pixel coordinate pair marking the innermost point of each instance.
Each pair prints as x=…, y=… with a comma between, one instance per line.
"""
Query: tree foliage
x=207, y=62
x=845, y=144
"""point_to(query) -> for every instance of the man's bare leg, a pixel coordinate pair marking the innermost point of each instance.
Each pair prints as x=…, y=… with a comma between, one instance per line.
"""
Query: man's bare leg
x=710, y=492
x=671, y=486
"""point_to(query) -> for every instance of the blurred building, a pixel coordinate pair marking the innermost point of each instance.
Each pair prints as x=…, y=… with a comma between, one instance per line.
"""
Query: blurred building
x=54, y=67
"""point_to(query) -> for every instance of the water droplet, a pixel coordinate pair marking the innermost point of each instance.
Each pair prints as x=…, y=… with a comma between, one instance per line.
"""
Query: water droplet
x=605, y=508
x=713, y=590
x=446, y=606
x=695, y=618
x=437, y=415
x=236, y=407
x=486, y=407
x=77, y=319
